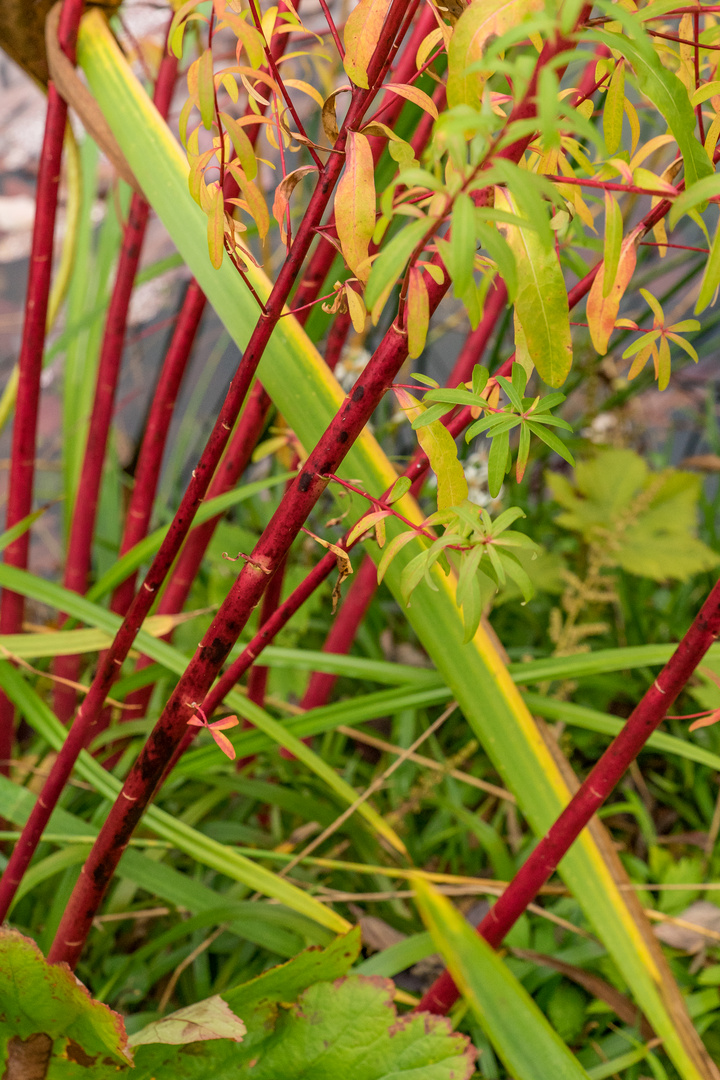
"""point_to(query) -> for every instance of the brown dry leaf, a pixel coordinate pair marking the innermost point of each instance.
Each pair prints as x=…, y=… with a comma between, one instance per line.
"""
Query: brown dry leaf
x=702, y=915
x=621, y=1005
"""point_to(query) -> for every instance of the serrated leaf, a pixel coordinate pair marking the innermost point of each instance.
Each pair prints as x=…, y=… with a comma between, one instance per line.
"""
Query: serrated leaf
x=476, y=26
x=355, y=203
x=362, y=32
x=41, y=998
x=439, y=445
x=541, y=303
x=602, y=310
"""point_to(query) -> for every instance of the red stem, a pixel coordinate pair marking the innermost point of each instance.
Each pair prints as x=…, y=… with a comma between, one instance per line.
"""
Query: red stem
x=257, y=680
x=22, y=461
x=85, y=722
x=245, y=594
x=620, y=754
x=137, y=521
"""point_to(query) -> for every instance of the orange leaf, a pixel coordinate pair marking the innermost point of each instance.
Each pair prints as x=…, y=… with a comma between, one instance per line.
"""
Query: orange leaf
x=602, y=311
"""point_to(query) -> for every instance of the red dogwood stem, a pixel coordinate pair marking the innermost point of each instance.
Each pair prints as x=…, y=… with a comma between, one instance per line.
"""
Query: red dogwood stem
x=593, y=792
x=137, y=521
x=233, y=614
x=83, y=726
x=22, y=459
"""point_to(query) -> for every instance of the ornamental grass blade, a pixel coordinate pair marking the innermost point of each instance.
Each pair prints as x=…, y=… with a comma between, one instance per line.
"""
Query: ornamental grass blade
x=500, y=1003
x=308, y=395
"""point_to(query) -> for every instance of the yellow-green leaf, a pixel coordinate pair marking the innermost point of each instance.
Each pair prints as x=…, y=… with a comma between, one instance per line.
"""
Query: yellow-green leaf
x=613, y=242
x=206, y=88
x=414, y=94
x=541, y=303
x=418, y=313
x=501, y=1004
x=355, y=204
x=242, y=145
x=614, y=109
x=711, y=277
x=476, y=26
x=361, y=35
x=439, y=445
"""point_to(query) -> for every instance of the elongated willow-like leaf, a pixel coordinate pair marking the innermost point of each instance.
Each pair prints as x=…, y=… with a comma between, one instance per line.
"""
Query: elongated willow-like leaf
x=207, y=851
x=499, y=1001
x=308, y=396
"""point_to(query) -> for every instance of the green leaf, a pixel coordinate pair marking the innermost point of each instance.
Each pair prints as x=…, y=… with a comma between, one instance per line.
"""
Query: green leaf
x=497, y=462
x=460, y=252
x=666, y=92
x=401, y=487
x=658, y=540
x=541, y=304
x=390, y=264
x=241, y=144
x=551, y=440
x=519, y=1032
x=41, y=998
x=711, y=275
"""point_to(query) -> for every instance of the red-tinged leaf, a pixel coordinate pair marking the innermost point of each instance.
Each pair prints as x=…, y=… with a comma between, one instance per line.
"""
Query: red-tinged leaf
x=223, y=742
x=365, y=525
x=363, y=30
x=706, y=721
x=195, y=721
x=414, y=94
x=602, y=311
x=418, y=313
x=282, y=195
x=355, y=204
x=216, y=226
x=242, y=145
x=206, y=88
x=224, y=723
